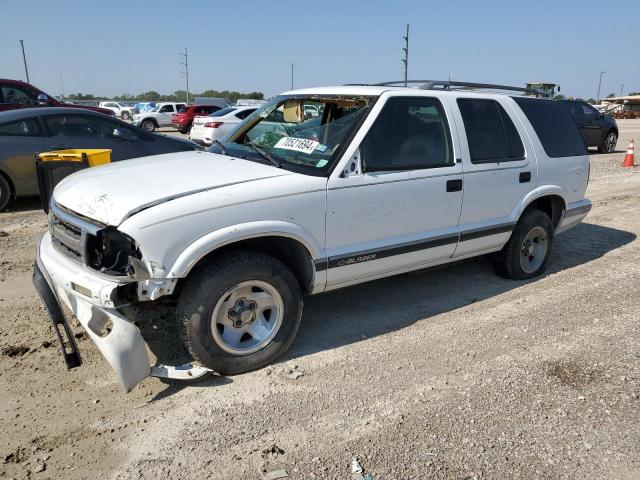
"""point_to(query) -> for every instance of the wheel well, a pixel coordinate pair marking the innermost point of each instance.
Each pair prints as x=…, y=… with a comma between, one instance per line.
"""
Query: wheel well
x=552, y=205
x=150, y=119
x=289, y=251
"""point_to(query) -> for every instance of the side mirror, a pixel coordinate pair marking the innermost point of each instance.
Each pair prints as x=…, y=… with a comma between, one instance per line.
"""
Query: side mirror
x=43, y=100
x=121, y=134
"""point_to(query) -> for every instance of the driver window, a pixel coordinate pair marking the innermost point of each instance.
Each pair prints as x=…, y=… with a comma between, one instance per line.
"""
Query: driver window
x=410, y=133
x=12, y=94
x=166, y=109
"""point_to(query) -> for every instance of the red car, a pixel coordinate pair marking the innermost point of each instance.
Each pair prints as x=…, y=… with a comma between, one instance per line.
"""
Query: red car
x=18, y=94
x=184, y=118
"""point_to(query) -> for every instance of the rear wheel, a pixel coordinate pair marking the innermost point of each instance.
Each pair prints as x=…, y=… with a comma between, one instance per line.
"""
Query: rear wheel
x=526, y=254
x=608, y=145
x=5, y=193
x=148, y=125
x=240, y=312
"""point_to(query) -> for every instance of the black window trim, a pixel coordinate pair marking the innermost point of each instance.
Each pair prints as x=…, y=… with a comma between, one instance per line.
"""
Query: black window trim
x=447, y=129
x=497, y=104
x=46, y=131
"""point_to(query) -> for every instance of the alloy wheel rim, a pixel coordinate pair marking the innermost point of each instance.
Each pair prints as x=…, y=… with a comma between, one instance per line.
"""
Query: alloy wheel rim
x=533, y=249
x=247, y=317
x=611, y=142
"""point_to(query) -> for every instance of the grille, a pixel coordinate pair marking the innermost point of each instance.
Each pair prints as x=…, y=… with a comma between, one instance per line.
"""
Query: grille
x=66, y=238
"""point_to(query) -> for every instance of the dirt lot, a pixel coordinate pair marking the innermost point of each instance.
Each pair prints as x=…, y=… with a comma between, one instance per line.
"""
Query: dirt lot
x=454, y=373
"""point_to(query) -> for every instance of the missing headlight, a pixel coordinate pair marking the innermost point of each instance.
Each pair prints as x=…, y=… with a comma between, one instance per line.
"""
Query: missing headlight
x=109, y=251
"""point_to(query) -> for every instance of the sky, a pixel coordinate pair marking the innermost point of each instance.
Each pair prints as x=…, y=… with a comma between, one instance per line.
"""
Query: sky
x=113, y=47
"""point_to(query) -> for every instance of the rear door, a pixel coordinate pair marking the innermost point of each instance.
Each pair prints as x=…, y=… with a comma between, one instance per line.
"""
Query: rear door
x=499, y=171
x=165, y=114
x=20, y=141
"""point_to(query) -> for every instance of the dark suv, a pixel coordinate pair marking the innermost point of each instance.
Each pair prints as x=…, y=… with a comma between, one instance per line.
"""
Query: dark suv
x=597, y=129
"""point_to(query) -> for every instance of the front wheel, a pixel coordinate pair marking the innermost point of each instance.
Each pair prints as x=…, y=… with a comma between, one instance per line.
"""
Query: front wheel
x=526, y=254
x=240, y=312
x=609, y=143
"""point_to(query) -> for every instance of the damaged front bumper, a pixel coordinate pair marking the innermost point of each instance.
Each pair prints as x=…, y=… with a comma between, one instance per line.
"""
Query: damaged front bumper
x=91, y=300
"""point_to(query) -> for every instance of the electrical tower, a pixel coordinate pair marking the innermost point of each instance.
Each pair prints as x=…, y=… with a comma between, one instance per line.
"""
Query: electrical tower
x=184, y=61
x=405, y=49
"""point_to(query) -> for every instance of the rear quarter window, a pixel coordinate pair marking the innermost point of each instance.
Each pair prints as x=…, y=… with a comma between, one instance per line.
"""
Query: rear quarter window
x=555, y=127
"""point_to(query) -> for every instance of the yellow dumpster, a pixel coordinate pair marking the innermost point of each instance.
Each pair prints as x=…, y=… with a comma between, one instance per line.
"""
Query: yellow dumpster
x=90, y=156
x=52, y=167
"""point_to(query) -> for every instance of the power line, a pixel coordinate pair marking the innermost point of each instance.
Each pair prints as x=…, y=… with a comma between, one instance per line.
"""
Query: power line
x=185, y=64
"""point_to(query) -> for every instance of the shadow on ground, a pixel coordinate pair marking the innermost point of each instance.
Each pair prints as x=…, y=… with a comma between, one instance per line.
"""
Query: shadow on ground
x=349, y=315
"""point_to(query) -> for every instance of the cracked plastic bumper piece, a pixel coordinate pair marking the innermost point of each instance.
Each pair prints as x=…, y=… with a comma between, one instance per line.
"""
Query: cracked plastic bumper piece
x=88, y=296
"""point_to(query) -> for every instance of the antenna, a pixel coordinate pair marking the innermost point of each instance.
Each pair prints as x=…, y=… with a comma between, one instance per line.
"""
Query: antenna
x=405, y=49
x=185, y=64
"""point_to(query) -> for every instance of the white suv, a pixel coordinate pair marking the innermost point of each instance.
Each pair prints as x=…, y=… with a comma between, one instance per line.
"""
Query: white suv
x=123, y=111
x=160, y=116
x=386, y=180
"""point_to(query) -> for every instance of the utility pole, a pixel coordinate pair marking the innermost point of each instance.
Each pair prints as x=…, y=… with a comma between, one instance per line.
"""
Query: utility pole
x=291, y=75
x=600, y=85
x=24, y=59
x=405, y=49
x=185, y=64
x=621, y=89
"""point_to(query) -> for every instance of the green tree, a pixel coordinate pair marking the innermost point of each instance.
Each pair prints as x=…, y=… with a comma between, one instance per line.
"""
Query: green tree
x=559, y=97
x=611, y=95
x=592, y=101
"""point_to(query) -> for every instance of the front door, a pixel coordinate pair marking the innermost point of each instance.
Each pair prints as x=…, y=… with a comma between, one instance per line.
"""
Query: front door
x=401, y=212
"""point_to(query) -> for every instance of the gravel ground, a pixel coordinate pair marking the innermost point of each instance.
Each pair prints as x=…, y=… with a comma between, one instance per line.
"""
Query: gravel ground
x=453, y=373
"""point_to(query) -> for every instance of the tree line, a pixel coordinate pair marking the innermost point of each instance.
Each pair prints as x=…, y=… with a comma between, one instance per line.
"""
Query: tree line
x=177, y=96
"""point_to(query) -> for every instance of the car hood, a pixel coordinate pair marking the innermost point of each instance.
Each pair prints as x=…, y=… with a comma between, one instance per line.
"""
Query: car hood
x=112, y=193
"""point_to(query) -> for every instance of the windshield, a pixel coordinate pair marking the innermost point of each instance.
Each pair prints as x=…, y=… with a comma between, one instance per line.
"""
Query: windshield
x=304, y=133
x=223, y=112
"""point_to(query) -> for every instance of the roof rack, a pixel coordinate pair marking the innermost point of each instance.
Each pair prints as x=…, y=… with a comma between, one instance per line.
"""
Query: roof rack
x=451, y=85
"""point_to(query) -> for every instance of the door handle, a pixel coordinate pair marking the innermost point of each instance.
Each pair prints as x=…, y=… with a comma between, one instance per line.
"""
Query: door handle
x=454, y=185
x=525, y=177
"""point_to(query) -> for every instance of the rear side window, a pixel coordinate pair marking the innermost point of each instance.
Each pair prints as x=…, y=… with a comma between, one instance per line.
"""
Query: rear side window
x=245, y=113
x=20, y=128
x=223, y=112
x=556, y=129
x=491, y=134
x=184, y=109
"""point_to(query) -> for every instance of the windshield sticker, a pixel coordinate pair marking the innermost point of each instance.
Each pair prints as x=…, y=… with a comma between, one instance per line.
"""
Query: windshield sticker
x=321, y=148
x=321, y=163
x=298, y=144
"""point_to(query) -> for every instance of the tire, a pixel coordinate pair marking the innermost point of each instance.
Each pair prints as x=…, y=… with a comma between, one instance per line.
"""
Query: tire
x=5, y=193
x=148, y=125
x=609, y=142
x=523, y=256
x=234, y=283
